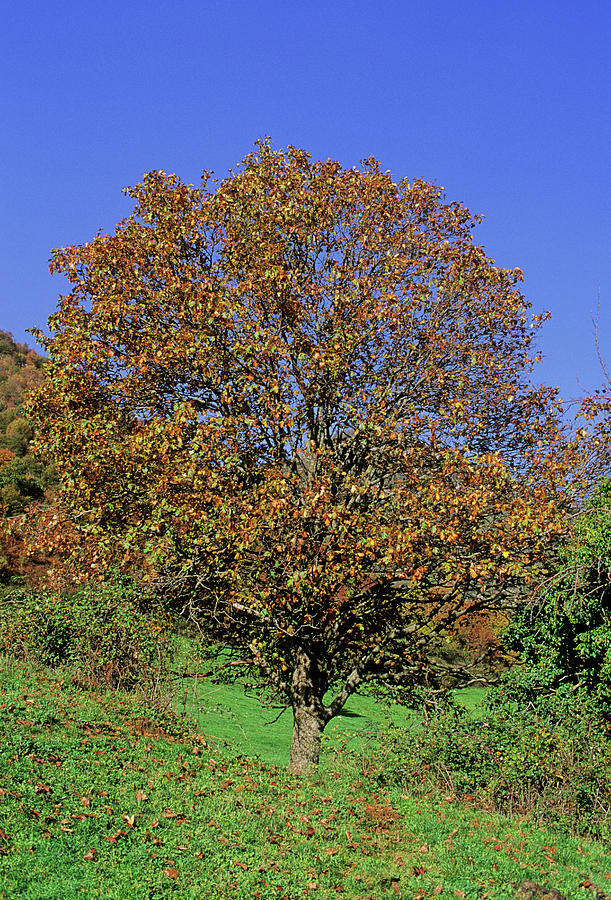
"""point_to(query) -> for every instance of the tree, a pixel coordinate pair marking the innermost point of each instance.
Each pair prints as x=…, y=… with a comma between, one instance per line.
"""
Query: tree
x=300, y=399
x=564, y=637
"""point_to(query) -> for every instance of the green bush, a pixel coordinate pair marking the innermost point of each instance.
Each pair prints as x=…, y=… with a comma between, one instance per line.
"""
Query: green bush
x=107, y=633
x=564, y=639
x=509, y=759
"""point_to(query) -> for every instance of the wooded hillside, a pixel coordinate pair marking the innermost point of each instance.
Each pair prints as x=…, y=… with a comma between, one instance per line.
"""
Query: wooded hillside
x=23, y=477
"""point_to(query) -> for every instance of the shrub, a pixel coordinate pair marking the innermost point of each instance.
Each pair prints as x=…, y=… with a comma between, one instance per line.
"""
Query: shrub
x=107, y=633
x=511, y=759
x=564, y=639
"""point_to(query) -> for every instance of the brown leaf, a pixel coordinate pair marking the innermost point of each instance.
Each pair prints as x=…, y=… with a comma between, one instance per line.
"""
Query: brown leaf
x=171, y=873
x=113, y=838
x=91, y=854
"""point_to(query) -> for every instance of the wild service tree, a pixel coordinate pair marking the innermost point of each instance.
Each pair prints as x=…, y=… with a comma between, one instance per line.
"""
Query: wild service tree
x=300, y=399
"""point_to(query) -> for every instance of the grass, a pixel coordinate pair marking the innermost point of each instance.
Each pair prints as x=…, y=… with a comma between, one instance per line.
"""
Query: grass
x=101, y=796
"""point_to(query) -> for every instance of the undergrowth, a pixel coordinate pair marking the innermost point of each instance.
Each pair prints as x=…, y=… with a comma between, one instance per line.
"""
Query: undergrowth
x=555, y=770
x=107, y=633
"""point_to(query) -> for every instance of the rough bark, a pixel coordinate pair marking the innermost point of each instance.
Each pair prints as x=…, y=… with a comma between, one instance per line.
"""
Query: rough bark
x=309, y=714
x=305, y=746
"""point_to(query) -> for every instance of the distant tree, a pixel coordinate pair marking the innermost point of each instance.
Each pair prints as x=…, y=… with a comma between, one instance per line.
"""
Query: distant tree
x=302, y=398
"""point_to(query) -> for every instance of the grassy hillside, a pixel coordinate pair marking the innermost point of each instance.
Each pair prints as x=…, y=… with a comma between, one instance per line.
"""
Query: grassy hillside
x=101, y=796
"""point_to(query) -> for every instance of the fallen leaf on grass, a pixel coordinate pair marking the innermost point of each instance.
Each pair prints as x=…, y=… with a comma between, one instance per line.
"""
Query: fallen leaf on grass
x=438, y=890
x=129, y=820
x=85, y=801
x=113, y=838
x=171, y=873
x=459, y=894
x=140, y=796
x=90, y=855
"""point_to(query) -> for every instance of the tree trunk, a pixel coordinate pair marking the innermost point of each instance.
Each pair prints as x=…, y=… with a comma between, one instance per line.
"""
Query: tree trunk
x=309, y=714
x=305, y=746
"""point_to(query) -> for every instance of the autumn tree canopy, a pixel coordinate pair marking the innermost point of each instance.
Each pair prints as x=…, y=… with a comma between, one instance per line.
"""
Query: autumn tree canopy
x=301, y=398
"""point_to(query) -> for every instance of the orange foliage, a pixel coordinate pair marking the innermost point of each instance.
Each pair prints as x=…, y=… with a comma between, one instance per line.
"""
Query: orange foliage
x=303, y=396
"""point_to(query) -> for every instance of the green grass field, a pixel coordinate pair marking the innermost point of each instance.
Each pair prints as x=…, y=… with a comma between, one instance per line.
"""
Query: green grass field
x=101, y=796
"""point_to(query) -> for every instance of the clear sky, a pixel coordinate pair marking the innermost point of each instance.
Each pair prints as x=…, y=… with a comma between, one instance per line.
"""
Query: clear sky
x=505, y=103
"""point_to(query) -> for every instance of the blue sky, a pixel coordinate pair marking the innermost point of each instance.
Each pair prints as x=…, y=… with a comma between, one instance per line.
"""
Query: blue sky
x=505, y=104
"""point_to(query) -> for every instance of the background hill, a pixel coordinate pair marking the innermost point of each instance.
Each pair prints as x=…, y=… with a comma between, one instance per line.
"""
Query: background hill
x=23, y=476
